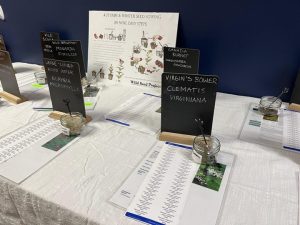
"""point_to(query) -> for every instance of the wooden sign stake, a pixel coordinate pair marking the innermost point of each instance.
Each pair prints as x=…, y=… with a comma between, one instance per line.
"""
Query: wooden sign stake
x=56, y=115
x=177, y=138
x=294, y=107
x=12, y=98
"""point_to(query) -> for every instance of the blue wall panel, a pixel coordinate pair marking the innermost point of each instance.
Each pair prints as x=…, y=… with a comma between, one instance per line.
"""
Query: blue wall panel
x=253, y=45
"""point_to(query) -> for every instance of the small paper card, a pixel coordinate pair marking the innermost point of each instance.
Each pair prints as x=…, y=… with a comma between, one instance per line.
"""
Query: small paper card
x=65, y=130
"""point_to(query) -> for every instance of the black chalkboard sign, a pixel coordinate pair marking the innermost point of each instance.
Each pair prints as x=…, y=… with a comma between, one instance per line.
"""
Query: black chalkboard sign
x=67, y=51
x=49, y=36
x=46, y=38
x=64, y=83
x=296, y=92
x=7, y=75
x=2, y=43
x=186, y=97
x=181, y=60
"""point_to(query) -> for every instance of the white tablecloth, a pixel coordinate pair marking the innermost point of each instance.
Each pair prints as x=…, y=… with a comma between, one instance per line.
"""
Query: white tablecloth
x=75, y=187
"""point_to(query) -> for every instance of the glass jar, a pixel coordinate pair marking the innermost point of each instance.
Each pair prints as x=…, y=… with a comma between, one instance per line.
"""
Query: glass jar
x=95, y=77
x=205, y=153
x=269, y=105
x=90, y=91
x=72, y=124
x=40, y=77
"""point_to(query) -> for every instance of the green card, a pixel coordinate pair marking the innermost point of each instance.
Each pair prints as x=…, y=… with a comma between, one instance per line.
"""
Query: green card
x=58, y=142
x=254, y=123
x=210, y=175
x=38, y=85
x=88, y=103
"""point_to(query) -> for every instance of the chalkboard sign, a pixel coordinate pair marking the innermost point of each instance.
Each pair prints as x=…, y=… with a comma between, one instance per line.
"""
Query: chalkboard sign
x=2, y=43
x=7, y=75
x=296, y=92
x=49, y=36
x=181, y=60
x=64, y=83
x=67, y=51
x=46, y=38
x=186, y=97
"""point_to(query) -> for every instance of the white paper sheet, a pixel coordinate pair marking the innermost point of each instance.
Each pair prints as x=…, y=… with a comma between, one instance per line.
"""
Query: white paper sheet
x=25, y=73
x=127, y=47
x=16, y=142
x=298, y=198
x=161, y=197
x=21, y=152
x=261, y=131
x=41, y=100
x=25, y=77
x=169, y=194
x=291, y=130
x=129, y=188
x=203, y=205
x=139, y=112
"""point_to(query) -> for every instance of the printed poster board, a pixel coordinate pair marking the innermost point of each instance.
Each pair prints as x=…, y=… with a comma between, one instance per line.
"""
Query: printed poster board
x=127, y=47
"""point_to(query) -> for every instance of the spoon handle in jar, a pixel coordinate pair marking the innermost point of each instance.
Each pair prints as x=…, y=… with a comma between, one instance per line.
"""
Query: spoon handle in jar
x=284, y=91
x=200, y=122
